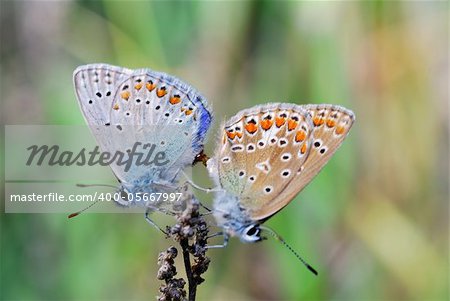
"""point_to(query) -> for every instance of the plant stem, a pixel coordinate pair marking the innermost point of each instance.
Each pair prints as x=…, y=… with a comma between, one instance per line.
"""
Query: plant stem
x=192, y=283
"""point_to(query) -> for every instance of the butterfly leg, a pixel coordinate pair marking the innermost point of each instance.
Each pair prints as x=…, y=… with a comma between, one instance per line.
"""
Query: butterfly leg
x=214, y=235
x=207, y=213
x=226, y=237
x=165, y=185
x=166, y=211
x=207, y=190
x=151, y=222
x=206, y=208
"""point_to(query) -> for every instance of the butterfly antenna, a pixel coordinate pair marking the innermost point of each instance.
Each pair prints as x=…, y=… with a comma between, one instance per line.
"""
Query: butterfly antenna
x=81, y=211
x=95, y=202
x=96, y=185
x=281, y=240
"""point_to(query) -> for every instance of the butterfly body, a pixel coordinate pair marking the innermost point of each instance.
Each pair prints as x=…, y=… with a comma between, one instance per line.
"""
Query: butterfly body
x=266, y=155
x=142, y=113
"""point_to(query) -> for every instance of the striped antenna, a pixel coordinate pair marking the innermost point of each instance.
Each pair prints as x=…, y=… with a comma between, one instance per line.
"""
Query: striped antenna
x=95, y=202
x=281, y=240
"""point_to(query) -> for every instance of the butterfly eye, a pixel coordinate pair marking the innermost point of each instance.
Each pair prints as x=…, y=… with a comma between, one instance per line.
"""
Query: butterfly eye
x=251, y=233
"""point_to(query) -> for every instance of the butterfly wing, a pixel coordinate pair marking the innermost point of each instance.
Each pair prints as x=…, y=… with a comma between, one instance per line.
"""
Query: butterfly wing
x=152, y=108
x=331, y=124
x=261, y=151
x=95, y=86
x=267, y=178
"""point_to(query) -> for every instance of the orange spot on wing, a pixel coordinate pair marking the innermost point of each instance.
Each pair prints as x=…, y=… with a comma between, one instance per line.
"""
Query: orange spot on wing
x=251, y=128
x=239, y=134
x=266, y=124
x=303, y=149
x=150, y=86
x=125, y=95
x=161, y=92
x=340, y=130
x=279, y=121
x=188, y=112
x=231, y=135
x=331, y=123
x=174, y=99
x=292, y=124
x=116, y=107
x=300, y=136
x=138, y=86
x=318, y=121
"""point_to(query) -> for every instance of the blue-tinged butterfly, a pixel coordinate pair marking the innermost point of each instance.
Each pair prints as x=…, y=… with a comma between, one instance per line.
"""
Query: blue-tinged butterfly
x=266, y=155
x=124, y=107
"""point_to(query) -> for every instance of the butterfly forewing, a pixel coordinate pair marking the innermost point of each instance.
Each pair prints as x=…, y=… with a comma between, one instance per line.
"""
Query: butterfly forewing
x=331, y=125
x=95, y=87
x=261, y=152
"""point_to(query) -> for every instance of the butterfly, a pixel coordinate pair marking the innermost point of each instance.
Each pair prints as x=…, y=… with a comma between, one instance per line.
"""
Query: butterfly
x=125, y=108
x=266, y=155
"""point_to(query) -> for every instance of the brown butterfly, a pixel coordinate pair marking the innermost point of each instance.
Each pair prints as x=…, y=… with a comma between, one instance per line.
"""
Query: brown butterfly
x=266, y=155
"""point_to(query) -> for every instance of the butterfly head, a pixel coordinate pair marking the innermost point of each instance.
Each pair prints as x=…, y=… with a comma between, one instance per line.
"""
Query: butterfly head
x=234, y=219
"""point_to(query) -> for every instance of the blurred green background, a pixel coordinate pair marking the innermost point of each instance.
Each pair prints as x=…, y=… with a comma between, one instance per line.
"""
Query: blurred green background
x=374, y=222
